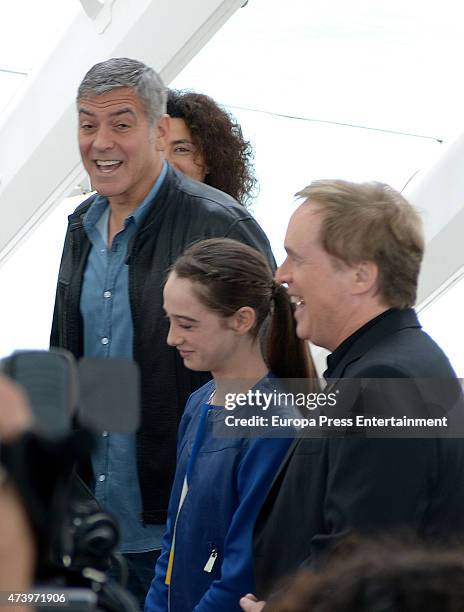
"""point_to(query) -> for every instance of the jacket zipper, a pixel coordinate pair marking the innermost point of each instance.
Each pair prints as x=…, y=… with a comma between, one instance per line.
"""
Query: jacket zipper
x=173, y=542
x=212, y=559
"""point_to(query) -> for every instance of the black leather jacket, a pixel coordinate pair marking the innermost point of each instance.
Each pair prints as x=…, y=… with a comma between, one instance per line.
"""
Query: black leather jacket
x=182, y=212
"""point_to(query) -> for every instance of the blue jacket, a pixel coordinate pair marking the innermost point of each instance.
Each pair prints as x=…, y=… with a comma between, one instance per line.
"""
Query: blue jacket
x=228, y=480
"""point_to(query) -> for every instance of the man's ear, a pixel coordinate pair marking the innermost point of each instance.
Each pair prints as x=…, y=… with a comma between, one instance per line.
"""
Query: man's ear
x=243, y=320
x=365, y=277
x=162, y=129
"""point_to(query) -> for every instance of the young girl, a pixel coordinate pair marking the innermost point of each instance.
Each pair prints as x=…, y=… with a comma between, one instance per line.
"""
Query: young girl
x=220, y=297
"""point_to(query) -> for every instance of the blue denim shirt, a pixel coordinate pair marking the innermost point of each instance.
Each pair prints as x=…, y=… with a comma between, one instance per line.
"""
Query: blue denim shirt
x=108, y=332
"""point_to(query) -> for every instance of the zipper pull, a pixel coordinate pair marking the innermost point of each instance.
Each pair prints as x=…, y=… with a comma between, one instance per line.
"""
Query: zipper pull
x=211, y=561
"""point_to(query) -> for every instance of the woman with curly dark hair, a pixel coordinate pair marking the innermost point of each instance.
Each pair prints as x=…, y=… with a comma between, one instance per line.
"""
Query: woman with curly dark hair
x=207, y=144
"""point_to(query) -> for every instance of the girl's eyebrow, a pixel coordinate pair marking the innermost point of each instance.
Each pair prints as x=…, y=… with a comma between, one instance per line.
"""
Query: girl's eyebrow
x=184, y=317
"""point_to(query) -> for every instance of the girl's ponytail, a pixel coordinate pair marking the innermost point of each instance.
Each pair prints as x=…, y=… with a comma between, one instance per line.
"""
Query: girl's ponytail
x=288, y=356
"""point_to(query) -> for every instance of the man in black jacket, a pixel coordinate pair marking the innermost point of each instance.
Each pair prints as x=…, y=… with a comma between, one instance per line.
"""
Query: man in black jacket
x=119, y=245
x=353, y=259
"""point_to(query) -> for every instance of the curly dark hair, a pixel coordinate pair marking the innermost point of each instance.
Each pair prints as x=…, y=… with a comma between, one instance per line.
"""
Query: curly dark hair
x=218, y=137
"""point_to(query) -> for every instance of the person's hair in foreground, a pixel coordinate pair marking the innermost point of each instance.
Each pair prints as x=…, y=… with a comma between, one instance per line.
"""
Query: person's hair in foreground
x=120, y=72
x=218, y=138
x=382, y=575
x=371, y=222
x=228, y=275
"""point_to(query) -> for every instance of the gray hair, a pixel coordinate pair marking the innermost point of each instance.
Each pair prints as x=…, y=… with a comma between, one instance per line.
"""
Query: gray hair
x=124, y=72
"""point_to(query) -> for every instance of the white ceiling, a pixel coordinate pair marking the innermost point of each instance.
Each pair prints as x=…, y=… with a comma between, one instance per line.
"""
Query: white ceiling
x=28, y=32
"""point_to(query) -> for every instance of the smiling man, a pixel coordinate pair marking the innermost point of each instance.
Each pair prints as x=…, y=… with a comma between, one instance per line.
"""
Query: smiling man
x=353, y=259
x=119, y=245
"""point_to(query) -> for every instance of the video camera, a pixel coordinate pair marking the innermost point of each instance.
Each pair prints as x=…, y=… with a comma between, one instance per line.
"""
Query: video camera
x=71, y=404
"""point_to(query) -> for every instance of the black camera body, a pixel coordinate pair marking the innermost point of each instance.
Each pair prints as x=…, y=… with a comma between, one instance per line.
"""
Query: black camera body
x=71, y=403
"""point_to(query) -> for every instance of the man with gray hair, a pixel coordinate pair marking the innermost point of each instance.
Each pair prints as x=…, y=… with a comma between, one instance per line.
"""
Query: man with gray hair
x=119, y=245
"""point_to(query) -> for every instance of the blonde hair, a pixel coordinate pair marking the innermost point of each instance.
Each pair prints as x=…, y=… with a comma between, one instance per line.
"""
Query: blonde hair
x=371, y=222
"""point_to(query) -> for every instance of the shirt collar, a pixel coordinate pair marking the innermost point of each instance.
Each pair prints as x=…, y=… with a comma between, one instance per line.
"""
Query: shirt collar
x=342, y=349
x=139, y=213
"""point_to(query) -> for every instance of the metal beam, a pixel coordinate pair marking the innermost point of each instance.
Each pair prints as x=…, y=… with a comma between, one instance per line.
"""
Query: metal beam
x=438, y=193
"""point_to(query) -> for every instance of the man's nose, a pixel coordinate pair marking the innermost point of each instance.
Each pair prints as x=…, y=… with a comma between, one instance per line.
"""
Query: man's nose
x=282, y=273
x=103, y=139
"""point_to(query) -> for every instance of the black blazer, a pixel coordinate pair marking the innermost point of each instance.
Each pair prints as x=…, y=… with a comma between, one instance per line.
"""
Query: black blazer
x=328, y=487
